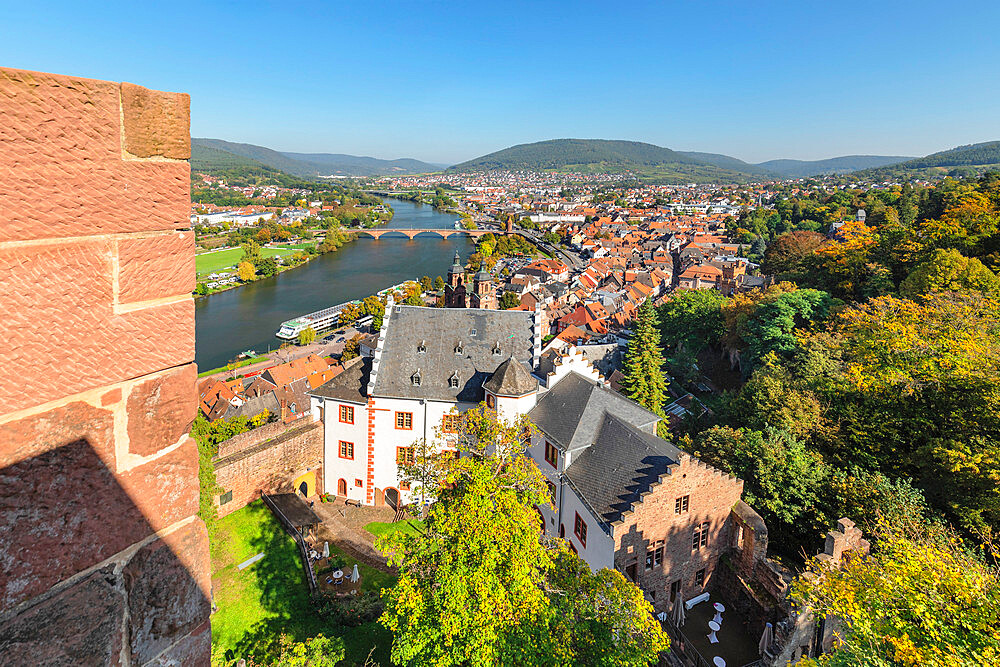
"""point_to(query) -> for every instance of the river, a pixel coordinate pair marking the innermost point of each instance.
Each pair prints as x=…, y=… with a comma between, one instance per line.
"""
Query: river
x=247, y=317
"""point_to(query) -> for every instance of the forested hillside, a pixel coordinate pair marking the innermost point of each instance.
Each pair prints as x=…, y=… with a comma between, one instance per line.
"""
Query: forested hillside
x=872, y=366
x=970, y=160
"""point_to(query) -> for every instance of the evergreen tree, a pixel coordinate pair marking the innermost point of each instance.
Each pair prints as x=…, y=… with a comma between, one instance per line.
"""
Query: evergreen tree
x=644, y=382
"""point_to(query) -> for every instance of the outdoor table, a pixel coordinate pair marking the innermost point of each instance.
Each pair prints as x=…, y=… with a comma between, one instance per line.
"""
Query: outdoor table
x=719, y=608
x=714, y=627
x=719, y=662
x=338, y=576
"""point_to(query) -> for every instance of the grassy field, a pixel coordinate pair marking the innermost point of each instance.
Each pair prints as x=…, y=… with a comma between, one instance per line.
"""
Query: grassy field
x=380, y=528
x=210, y=262
x=271, y=596
x=240, y=364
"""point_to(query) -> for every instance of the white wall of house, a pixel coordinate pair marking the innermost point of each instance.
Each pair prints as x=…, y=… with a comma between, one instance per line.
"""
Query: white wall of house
x=600, y=548
x=336, y=468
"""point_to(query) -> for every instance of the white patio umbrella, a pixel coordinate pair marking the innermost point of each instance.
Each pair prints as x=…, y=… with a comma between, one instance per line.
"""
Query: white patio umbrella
x=662, y=616
x=326, y=550
x=766, y=639
x=678, y=616
x=355, y=575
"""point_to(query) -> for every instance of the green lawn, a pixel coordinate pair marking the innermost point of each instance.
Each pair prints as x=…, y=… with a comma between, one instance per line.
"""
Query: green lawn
x=380, y=528
x=241, y=364
x=210, y=262
x=271, y=596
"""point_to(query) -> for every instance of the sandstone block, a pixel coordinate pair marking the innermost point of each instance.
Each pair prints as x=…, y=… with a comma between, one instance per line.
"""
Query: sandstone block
x=195, y=650
x=165, y=490
x=161, y=410
x=67, y=285
x=155, y=267
x=22, y=439
x=62, y=511
x=168, y=591
x=80, y=625
x=156, y=123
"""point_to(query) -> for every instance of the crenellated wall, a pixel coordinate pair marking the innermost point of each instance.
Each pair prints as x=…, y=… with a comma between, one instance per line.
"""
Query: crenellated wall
x=102, y=557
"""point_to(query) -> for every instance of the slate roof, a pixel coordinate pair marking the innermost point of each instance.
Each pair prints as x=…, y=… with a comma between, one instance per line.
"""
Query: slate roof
x=619, y=467
x=511, y=378
x=486, y=338
x=572, y=412
x=350, y=385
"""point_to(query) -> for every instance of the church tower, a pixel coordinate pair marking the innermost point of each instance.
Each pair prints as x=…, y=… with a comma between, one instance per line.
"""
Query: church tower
x=454, y=290
x=483, y=293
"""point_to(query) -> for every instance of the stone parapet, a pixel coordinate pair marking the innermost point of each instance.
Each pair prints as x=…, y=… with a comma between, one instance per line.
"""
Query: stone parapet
x=104, y=560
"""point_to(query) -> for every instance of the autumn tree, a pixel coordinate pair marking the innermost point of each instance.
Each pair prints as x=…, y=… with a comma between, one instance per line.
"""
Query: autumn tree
x=439, y=283
x=787, y=253
x=251, y=252
x=479, y=584
x=949, y=270
x=349, y=314
x=920, y=598
x=426, y=284
x=643, y=366
x=352, y=348
x=307, y=336
x=246, y=271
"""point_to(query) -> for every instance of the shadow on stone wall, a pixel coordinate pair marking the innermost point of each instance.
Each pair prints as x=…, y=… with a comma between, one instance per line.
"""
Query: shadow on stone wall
x=83, y=581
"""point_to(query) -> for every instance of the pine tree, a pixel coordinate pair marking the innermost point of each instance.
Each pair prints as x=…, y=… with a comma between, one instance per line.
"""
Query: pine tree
x=644, y=382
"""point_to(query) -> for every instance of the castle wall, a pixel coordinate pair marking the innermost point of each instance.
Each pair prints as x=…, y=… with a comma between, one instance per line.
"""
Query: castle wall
x=103, y=559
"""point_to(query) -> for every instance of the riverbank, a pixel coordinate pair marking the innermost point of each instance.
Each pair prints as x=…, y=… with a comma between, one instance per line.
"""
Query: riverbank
x=234, y=320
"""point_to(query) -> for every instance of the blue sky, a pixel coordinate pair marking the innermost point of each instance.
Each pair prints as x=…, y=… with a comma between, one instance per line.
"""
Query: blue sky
x=447, y=81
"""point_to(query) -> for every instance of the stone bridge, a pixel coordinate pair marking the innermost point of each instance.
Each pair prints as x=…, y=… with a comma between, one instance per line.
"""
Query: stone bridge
x=443, y=233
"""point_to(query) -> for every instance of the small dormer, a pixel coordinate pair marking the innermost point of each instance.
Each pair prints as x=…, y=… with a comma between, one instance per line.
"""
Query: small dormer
x=496, y=348
x=421, y=347
x=453, y=380
x=415, y=378
x=472, y=333
x=458, y=347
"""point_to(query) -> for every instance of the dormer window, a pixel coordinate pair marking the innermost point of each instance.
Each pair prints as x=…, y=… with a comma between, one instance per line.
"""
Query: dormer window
x=415, y=379
x=458, y=347
x=421, y=348
x=453, y=380
x=496, y=348
x=472, y=332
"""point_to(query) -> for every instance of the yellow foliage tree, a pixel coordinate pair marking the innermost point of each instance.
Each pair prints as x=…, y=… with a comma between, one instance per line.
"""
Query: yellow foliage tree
x=246, y=271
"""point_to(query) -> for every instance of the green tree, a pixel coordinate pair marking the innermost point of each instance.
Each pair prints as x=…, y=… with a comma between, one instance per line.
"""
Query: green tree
x=267, y=267
x=439, y=283
x=949, y=270
x=426, y=284
x=307, y=336
x=509, y=300
x=413, y=299
x=373, y=306
x=479, y=586
x=643, y=368
x=251, y=252
x=919, y=599
x=318, y=651
x=201, y=289
x=352, y=348
x=692, y=319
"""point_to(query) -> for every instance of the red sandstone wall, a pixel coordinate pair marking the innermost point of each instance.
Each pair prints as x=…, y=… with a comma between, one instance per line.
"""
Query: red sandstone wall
x=712, y=496
x=268, y=459
x=102, y=560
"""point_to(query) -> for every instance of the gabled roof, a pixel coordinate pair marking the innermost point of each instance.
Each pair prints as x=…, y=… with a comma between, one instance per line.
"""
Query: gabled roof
x=619, y=467
x=571, y=413
x=443, y=342
x=350, y=385
x=511, y=378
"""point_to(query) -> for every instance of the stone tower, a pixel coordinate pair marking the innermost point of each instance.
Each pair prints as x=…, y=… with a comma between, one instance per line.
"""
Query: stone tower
x=483, y=293
x=454, y=290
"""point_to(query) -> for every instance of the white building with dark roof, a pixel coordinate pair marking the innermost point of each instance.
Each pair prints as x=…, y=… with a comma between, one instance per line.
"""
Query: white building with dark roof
x=621, y=497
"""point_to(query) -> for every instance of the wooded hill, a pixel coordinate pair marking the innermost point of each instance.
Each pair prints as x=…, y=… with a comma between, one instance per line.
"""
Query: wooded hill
x=308, y=165
x=970, y=160
x=657, y=163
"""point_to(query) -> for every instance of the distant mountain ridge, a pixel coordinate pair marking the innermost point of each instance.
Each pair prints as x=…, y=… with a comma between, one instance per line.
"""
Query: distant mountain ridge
x=593, y=155
x=306, y=165
x=959, y=161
